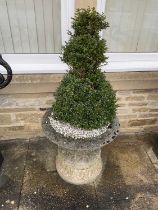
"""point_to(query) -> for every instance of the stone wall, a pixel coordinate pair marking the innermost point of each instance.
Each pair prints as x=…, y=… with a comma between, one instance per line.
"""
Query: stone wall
x=24, y=101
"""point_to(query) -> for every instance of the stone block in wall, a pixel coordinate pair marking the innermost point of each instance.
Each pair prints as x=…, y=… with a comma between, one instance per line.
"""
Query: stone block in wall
x=146, y=115
x=20, y=130
x=153, y=110
x=123, y=111
x=127, y=117
x=133, y=104
x=141, y=109
x=5, y=119
x=15, y=110
x=142, y=122
x=29, y=117
x=153, y=97
x=10, y=129
x=28, y=101
x=153, y=103
x=123, y=123
x=37, y=78
x=134, y=98
x=148, y=91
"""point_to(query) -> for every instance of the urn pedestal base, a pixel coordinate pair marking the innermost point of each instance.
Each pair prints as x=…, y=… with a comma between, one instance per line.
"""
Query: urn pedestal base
x=78, y=166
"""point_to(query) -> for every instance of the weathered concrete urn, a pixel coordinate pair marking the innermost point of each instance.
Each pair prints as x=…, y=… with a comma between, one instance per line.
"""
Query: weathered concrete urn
x=79, y=159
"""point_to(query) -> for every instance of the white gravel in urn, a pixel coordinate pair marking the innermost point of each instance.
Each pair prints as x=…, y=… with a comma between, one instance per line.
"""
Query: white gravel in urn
x=77, y=133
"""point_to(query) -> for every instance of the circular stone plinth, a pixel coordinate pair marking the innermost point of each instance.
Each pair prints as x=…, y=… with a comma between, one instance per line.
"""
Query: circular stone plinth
x=80, y=143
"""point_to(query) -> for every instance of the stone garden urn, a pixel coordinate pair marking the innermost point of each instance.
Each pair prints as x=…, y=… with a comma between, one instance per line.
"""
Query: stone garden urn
x=78, y=159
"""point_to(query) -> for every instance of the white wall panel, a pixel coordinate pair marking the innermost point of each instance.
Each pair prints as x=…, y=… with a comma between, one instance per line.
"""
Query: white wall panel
x=30, y=26
x=23, y=27
x=133, y=25
x=57, y=25
x=2, y=50
x=48, y=16
x=148, y=40
x=5, y=27
x=12, y=14
x=40, y=25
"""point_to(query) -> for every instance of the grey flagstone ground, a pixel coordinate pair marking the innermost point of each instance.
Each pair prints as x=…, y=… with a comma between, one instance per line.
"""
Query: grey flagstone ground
x=129, y=179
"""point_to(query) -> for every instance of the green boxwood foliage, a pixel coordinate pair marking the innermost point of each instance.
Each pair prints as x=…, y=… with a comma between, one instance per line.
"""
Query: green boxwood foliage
x=84, y=53
x=85, y=99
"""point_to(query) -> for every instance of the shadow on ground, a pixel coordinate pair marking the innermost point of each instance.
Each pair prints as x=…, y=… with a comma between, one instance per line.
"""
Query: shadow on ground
x=129, y=179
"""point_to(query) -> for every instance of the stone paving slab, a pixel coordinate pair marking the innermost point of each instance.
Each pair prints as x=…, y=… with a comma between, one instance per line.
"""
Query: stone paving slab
x=53, y=193
x=43, y=189
x=13, y=169
x=129, y=179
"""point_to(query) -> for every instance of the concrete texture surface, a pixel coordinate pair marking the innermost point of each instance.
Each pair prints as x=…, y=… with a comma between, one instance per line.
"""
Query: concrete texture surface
x=129, y=179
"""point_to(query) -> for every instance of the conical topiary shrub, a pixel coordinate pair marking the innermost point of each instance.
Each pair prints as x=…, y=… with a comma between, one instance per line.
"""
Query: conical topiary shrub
x=83, y=117
x=85, y=99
